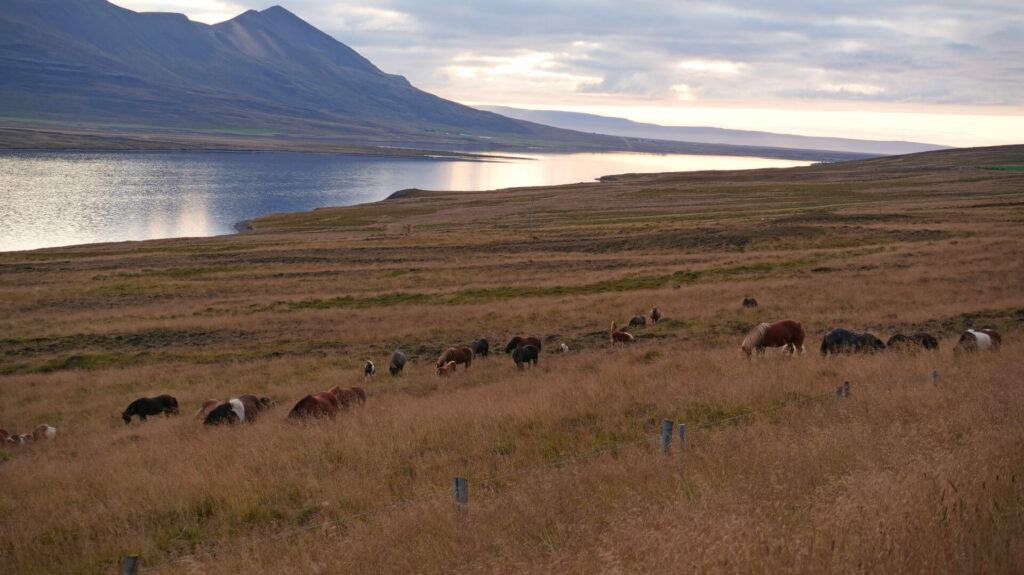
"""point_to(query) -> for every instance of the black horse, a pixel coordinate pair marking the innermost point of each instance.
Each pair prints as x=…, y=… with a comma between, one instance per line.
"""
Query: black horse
x=519, y=341
x=481, y=347
x=397, y=362
x=524, y=355
x=915, y=340
x=145, y=406
x=638, y=321
x=842, y=340
x=749, y=302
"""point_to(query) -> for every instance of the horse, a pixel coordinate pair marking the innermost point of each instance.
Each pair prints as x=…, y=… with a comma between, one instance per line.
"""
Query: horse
x=520, y=341
x=524, y=355
x=655, y=315
x=230, y=411
x=841, y=340
x=397, y=362
x=145, y=406
x=369, y=369
x=920, y=339
x=480, y=347
x=620, y=336
x=206, y=408
x=563, y=348
x=446, y=369
x=458, y=355
x=638, y=321
x=787, y=334
x=348, y=396
x=44, y=431
x=978, y=340
x=749, y=302
x=319, y=404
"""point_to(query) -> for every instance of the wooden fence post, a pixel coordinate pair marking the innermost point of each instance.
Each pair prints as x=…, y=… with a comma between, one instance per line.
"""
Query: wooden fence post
x=131, y=565
x=666, y=435
x=839, y=394
x=461, y=497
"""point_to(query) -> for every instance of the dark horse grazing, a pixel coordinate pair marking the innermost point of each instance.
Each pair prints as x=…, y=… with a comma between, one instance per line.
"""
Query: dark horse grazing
x=480, y=347
x=458, y=355
x=243, y=408
x=524, y=355
x=920, y=339
x=978, y=340
x=787, y=333
x=638, y=321
x=397, y=362
x=841, y=340
x=749, y=302
x=146, y=406
x=519, y=341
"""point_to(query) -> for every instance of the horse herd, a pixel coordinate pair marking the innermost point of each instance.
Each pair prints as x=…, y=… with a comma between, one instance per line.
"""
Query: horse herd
x=789, y=335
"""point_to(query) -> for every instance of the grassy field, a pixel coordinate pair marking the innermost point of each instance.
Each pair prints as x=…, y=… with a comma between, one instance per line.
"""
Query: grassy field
x=564, y=467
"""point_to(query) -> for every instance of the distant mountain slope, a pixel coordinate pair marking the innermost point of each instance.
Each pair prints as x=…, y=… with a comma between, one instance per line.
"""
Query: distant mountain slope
x=628, y=128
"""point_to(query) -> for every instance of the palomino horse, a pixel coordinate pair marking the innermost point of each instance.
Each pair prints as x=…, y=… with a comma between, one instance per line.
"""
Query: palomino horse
x=458, y=355
x=978, y=340
x=620, y=336
x=787, y=333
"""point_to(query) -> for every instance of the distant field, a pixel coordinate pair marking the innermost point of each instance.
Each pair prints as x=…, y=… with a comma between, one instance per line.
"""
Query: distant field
x=564, y=467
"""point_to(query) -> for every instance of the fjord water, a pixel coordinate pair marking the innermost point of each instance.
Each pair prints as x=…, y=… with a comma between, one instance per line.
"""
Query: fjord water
x=52, y=199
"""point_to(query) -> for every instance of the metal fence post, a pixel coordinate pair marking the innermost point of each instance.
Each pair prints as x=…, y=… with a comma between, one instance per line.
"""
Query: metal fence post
x=682, y=436
x=666, y=435
x=131, y=565
x=461, y=497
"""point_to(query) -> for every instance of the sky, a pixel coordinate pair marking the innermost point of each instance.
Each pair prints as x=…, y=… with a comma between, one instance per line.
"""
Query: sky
x=941, y=72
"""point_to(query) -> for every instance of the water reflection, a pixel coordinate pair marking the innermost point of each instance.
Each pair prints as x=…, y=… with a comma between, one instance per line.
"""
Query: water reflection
x=61, y=198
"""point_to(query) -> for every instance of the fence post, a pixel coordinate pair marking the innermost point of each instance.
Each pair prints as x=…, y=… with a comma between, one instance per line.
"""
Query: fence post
x=666, y=435
x=839, y=394
x=846, y=389
x=682, y=436
x=461, y=497
x=935, y=377
x=131, y=565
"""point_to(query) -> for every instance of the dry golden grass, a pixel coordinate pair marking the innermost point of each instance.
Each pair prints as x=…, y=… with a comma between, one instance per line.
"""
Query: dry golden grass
x=564, y=466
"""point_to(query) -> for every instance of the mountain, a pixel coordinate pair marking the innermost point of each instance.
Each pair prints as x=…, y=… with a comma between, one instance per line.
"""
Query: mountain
x=628, y=128
x=88, y=65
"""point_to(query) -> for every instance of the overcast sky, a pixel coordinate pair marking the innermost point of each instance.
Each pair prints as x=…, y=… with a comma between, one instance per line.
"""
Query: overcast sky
x=947, y=72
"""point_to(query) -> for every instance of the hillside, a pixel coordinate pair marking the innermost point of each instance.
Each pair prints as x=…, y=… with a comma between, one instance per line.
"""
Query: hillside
x=86, y=73
x=917, y=470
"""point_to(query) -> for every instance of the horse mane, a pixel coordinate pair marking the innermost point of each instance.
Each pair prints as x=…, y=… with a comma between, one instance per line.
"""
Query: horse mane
x=754, y=338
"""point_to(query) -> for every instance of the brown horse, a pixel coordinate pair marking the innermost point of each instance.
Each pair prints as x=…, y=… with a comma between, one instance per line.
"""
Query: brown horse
x=520, y=341
x=788, y=334
x=348, y=396
x=655, y=315
x=320, y=404
x=620, y=336
x=978, y=340
x=458, y=355
x=446, y=369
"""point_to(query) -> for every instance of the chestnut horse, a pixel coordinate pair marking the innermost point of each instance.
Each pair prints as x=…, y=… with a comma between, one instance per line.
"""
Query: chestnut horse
x=621, y=336
x=320, y=404
x=446, y=369
x=787, y=333
x=978, y=340
x=458, y=355
x=348, y=396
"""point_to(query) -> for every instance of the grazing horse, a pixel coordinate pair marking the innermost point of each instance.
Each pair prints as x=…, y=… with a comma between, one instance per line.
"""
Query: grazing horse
x=320, y=404
x=524, y=355
x=655, y=315
x=638, y=321
x=912, y=342
x=145, y=406
x=787, y=334
x=206, y=408
x=230, y=411
x=978, y=340
x=458, y=355
x=620, y=336
x=841, y=340
x=348, y=396
x=44, y=431
x=520, y=341
x=480, y=347
x=749, y=302
x=369, y=369
x=397, y=362
x=563, y=348
x=446, y=369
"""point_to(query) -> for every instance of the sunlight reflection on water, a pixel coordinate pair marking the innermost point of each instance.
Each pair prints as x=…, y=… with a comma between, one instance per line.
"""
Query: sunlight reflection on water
x=60, y=198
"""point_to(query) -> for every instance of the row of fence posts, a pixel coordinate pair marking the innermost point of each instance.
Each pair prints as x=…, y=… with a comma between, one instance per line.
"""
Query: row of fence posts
x=461, y=484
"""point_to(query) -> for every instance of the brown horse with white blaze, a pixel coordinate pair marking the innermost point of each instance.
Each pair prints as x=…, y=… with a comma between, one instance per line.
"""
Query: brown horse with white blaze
x=788, y=334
